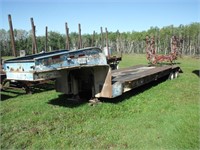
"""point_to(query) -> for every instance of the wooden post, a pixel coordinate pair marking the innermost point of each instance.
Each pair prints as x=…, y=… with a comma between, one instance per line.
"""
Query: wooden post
x=12, y=36
x=34, y=37
x=35, y=42
x=80, y=40
x=93, y=39
x=102, y=40
x=118, y=41
x=119, y=49
x=46, y=38
x=107, y=46
x=67, y=36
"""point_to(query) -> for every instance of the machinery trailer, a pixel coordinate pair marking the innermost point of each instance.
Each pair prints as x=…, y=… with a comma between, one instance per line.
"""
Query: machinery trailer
x=84, y=73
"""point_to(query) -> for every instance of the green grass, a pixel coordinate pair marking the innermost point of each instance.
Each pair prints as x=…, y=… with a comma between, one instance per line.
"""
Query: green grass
x=165, y=116
x=7, y=57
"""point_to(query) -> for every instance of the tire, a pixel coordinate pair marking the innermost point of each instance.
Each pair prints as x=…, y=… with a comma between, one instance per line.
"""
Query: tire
x=171, y=76
x=176, y=74
x=117, y=67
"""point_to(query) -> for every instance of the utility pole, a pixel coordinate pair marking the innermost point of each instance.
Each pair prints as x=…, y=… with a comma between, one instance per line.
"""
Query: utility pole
x=12, y=36
x=67, y=36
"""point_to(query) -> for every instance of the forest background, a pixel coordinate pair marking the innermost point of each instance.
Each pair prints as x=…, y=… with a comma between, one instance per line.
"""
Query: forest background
x=125, y=42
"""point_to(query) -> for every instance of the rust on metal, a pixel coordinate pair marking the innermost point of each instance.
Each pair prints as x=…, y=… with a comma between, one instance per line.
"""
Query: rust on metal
x=12, y=36
x=154, y=58
x=107, y=86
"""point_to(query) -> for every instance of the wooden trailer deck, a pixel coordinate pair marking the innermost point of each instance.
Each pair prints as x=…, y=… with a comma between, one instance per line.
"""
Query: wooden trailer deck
x=137, y=72
x=127, y=79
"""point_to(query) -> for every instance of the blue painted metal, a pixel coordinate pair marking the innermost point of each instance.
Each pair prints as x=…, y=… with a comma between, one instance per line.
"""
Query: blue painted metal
x=47, y=65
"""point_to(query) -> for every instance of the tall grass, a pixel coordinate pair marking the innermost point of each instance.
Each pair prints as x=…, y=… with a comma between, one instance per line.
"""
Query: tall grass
x=163, y=116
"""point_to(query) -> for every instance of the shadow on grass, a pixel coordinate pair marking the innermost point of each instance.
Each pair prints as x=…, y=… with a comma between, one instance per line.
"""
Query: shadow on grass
x=8, y=94
x=5, y=97
x=63, y=100
x=13, y=92
x=197, y=72
x=42, y=88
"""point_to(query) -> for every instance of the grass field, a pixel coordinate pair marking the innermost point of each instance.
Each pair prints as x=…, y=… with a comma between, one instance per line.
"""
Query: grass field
x=166, y=115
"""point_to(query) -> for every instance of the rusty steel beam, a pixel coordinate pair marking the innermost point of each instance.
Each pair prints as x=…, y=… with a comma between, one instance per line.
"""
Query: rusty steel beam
x=80, y=39
x=12, y=36
x=67, y=36
x=34, y=37
x=46, y=38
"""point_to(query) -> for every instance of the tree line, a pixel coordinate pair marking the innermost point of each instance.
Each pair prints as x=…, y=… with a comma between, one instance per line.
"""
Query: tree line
x=125, y=42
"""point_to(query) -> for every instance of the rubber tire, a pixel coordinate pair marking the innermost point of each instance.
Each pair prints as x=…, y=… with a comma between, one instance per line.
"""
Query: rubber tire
x=176, y=74
x=171, y=76
x=117, y=67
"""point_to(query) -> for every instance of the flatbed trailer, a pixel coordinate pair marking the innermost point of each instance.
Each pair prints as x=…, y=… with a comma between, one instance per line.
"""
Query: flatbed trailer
x=133, y=77
x=85, y=73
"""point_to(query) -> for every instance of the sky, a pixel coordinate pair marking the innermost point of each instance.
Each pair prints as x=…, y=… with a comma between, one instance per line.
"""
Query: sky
x=122, y=15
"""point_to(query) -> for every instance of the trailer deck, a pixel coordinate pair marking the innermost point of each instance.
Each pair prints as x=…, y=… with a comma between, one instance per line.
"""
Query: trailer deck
x=132, y=77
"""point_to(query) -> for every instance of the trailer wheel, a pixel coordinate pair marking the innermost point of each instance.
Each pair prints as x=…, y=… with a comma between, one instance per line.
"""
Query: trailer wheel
x=176, y=74
x=171, y=76
x=117, y=66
